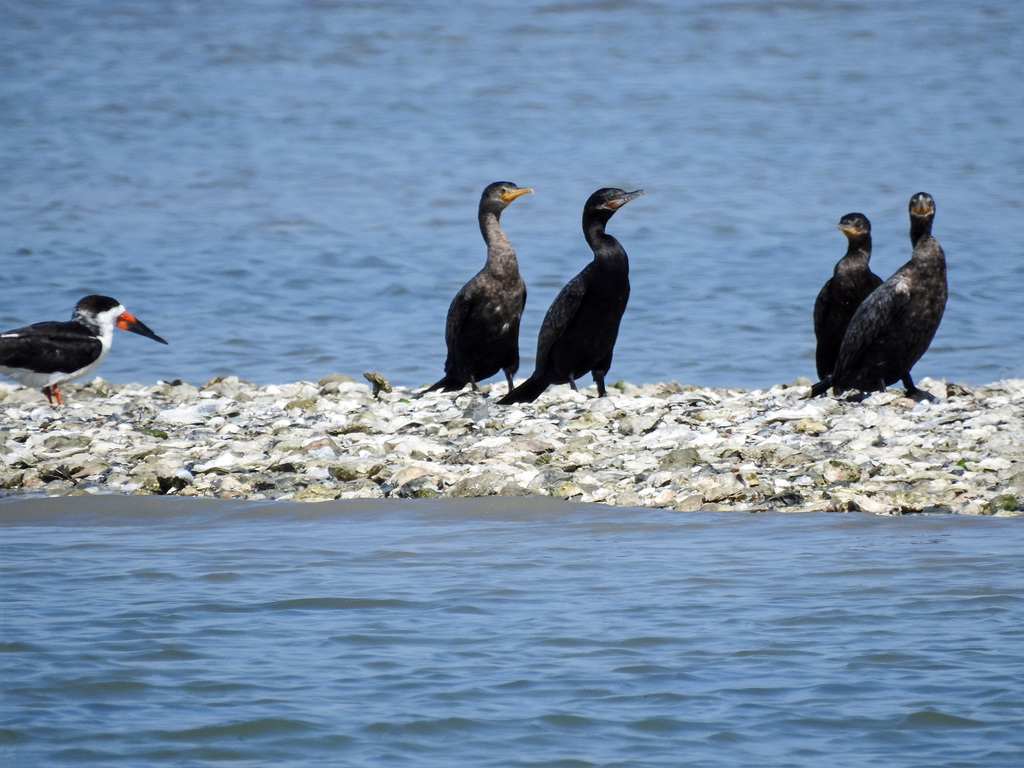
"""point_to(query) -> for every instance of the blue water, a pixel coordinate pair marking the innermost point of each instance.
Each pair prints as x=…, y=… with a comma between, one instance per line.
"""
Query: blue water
x=289, y=189
x=488, y=633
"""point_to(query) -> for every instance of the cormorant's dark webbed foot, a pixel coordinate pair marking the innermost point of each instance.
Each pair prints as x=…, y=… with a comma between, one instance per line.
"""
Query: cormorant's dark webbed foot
x=920, y=394
x=914, y=393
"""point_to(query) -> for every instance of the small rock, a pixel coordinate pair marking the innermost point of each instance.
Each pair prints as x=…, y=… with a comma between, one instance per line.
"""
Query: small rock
x=681, y=458
x=485, y=484
x=840, y=470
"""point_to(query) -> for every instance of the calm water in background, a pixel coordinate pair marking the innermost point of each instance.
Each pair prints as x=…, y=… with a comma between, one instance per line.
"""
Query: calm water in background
x=479, y=633
x=285, y=190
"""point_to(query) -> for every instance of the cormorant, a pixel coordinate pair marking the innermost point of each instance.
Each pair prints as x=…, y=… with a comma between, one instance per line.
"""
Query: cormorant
x=852, y=280
x=482, y=330
x=51, y=353
x=893, y=326
x=579, y=330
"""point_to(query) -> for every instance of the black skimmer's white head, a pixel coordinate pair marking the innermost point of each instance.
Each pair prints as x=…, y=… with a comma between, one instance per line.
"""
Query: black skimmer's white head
x=48, y=354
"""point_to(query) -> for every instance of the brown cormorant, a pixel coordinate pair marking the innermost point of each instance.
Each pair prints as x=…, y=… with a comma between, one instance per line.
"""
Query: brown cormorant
x=482, y=331
x=579, y=330
x=893, y=326
x=852, y=280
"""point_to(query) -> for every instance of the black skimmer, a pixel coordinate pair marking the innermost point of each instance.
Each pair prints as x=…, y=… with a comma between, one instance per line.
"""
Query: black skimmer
x=48, y=354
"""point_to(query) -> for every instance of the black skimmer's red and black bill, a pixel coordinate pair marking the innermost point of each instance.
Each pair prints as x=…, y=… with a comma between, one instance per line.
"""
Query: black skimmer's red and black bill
x=48, y=354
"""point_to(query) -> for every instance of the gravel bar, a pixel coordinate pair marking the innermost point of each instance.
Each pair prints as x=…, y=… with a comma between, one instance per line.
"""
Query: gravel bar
x=665, y=445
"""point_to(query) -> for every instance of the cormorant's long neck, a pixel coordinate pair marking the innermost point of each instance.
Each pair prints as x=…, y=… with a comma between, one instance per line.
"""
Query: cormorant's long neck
x=606, y=248
x=927, y=255
x=859, y=248
x=920, y=228
x=500, y=255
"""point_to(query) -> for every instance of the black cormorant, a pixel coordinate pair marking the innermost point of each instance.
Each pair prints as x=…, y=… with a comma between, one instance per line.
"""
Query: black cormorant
x=482, y=331
x=893, y=326
x=852, y=280
x=579, y=330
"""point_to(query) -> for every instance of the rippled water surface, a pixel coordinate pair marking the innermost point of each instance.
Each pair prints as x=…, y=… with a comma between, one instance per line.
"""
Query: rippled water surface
x=288, y=189
x=504, y=633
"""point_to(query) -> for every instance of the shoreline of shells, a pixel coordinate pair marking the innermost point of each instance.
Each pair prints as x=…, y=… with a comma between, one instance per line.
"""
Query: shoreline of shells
x=662, y=445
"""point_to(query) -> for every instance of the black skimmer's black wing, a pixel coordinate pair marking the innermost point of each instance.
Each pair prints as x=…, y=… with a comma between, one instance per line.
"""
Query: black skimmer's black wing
x=50, y=347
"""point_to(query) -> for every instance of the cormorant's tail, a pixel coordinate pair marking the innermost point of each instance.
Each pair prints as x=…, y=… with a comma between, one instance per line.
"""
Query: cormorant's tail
x=447, y=384
x=436, y=386
x=821, y=387
x=526, y=392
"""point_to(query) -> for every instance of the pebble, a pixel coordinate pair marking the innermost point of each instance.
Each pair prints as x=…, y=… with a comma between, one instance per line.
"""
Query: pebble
x=661, y=445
